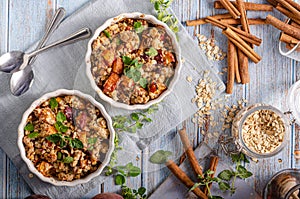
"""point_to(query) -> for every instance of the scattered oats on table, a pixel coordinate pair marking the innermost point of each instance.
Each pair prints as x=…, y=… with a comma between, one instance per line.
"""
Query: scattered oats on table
x=212, y=51
x=189, y=78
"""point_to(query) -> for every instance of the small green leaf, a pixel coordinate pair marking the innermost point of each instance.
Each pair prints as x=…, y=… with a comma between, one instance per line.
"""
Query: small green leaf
x=138, y=27
x=141, y=191
x=225, y=175
x=160, y=157
x=132, y=129
x=120, y=179
x=146, y=119
x=76, y=143
x=59, y=155
x=134, y=116
x=68, y=160
x=55, y=138
x=224, y=186
x=29, y=127
x=195, y=186
x=139, y=125
x=60, y=127
x=152, y=52
x=156, y=6
x=134, y=171
x=53, y=103
x=62, y=143
x=243, y=172
x=33, y=135
x=126, y=60
x=60, y=117
x=92, y=141
x=143, y=82
x=107, y=34
x=209, y=172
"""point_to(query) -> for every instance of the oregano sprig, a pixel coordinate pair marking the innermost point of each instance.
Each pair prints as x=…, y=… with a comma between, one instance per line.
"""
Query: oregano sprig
x=161, y=7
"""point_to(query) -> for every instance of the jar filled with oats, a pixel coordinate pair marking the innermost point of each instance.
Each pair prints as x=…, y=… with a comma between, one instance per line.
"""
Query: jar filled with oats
x=261, y=130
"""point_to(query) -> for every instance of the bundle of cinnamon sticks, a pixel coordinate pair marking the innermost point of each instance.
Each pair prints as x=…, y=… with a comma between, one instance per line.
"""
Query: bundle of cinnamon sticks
x=240, y=40
x=182, y=176
x=290, y=29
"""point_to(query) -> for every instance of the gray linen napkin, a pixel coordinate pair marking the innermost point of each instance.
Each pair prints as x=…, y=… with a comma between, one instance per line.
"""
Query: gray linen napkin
x=65, y=68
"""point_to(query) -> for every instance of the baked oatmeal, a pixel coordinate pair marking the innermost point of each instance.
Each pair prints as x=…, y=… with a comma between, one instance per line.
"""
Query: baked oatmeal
x=66, y=138
x=133, y=61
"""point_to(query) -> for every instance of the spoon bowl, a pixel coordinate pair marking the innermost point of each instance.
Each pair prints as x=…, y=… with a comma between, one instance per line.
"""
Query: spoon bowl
x=10, y=62
x=22, y=81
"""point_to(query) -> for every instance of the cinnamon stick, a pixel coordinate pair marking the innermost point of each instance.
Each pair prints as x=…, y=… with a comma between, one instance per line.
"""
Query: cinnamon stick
x=190, y=152
x=231, y=8
x=230, y=70
x=244, y=35
x=236, y=67
x=291, y=8
x=202, y=21
x=253, y=21
x=248, y=6
x=296, y=25
x=213, y=167
x=243, y=67
x=287, y=13
x=294, y=4
x=241, y=44
x=184, y=178
x=244, y=20
x=288, y=39
x=291, y=30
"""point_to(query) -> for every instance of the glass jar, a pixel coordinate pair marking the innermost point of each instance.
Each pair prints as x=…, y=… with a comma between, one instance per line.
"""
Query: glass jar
x=235, y=144
x=239, y=121
x=283, y=185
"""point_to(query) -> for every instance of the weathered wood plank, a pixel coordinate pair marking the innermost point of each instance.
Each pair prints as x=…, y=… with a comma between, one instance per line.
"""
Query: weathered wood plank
x=24, y=28
x=270, y=81
x=3, y=49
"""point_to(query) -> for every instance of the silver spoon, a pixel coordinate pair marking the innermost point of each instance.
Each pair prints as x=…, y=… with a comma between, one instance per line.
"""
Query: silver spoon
x=17, y=60
x=22, y=80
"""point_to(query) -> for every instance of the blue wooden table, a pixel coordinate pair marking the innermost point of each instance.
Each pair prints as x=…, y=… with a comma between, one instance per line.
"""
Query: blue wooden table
x=22, y=23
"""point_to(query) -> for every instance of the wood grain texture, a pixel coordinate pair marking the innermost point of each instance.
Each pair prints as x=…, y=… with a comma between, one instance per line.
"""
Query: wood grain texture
x=20, y=27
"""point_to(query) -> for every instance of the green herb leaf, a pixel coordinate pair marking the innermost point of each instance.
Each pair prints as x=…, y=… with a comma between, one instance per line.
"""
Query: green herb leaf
x=134, y=116
x=107, y=34
x=160, y=157
x=120, y=179
x=33, y=135
x=29, y=127
x=152, y=52
x=138, y=27
x=134, y=171
x=60, y=127
x=92, y=141
x=224, y=186
x=146, y=119
x=68, y=160
x=243, y=172
x=53, y=103
x=60, y=117
x=143, y=82
x=195, y=186
x=126, y=60
x=55, y=138
x=141, y=191
x=76, y=143
x=139, y=125
x=59, y=155
x=156, y=6
x=225, y=175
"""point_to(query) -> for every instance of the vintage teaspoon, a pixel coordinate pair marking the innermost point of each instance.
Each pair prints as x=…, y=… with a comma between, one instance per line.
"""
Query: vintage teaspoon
x=22, y=80
x=17, y=60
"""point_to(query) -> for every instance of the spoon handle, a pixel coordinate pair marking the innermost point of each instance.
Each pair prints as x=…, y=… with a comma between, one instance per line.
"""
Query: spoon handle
x=52, y=25
x=81, y=34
